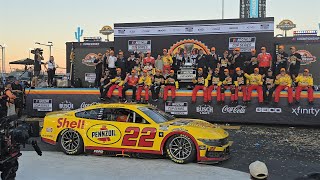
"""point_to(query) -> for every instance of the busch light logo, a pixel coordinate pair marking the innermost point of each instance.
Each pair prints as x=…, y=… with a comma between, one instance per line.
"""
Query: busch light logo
x=84, y=104
x=66, y=105
x=234, y=110
x=204, y=109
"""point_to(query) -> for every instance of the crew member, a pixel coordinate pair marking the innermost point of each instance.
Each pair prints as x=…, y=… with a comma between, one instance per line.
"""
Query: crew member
x=171, y=83
x=226, y=80
x=130, y=82
x=240, y=82
x=157, y=83
x=255, y=83
x=144, y=83
x=98, y=70
x=117, y=83
x=282, y=60
x=304, y=82
x=105, y=84
x=201, y=61
x=201, y=83
x=51, y=70
x=167, y=60
x=268, y=86
x=238, y=60
x=265, y=61
x=224, y=62
x=294, y=63
x=284, y=82
x=212, y=59
x=149, y=59
x=214, y=83
x=252, y=62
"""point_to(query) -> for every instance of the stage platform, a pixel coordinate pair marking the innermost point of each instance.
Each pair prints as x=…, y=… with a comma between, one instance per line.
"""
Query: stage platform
x=43, y=100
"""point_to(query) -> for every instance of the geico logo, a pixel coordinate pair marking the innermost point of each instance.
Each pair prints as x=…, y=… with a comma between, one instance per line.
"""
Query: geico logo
x=268, y=110
x=104, y=133
x=63, y=122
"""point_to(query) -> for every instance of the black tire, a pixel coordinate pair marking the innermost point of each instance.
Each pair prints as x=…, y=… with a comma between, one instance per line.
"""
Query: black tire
x=74, y=146
x=182, y=153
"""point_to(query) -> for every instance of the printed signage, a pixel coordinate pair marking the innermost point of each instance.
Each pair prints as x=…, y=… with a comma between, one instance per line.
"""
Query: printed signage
x=90, y=77
x=204, y=109
x=186, y=74
x=42, y=105
x=234, y=110
x=139, y=45
x=66, y=106
x=305, y=111
x=176, y=108
x=104, y=134
x=268, y=110
x=244, y=43
x=84, y=104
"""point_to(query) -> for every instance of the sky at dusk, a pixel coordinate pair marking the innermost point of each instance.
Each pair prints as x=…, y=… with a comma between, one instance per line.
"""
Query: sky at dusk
x=25, y=22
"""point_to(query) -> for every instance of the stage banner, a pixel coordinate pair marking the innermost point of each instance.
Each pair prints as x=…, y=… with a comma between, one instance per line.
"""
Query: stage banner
x=139, y=45
x=302, y=114
x=244, y=43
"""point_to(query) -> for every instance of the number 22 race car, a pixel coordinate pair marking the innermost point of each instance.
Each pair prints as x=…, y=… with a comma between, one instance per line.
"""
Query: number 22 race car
x=131, y=129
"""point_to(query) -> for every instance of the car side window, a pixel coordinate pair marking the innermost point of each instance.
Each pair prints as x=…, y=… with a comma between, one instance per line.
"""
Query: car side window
x=90, y=114
x=122, y=115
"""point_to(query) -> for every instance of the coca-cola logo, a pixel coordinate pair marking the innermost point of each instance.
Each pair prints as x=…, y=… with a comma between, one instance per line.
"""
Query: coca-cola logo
x=84, y=104
x=234, y=110
x=204, y=109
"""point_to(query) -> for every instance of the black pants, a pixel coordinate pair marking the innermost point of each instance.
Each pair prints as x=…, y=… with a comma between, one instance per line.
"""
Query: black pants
x=104, y=91
x=51, y=74
x=97, y=82
x=268, y=97
x=263, y=70
x=155, y=92
x=126, y=87
x=112, y=71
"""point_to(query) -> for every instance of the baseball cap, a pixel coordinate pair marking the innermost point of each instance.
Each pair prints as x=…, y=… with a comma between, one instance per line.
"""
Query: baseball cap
x=213, y=49
x=258, y=170
x=158, y=70
x=306, y=70
x=133, y=71
x=165, y=50
x=145, y=71
x=256, y=69
x=263, y=48
x=282, y=69
x=226, y=70
x=237, y=49
x=238, y=69
x=171, y=71
x=199, y=69
x=281, y=47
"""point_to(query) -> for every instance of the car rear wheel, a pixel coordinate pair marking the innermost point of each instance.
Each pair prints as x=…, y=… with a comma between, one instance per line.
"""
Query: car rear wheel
x=71, y=142
x=181, y=149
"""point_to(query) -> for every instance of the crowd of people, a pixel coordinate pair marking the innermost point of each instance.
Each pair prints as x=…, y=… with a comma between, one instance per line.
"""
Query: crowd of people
x=230, y=71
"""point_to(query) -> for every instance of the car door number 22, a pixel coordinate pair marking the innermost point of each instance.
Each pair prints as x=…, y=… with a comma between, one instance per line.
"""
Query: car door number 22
x=146, y=139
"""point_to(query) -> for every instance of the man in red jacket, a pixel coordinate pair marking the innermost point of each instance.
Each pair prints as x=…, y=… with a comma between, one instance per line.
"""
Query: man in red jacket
x=265, y=61
x=130, y=83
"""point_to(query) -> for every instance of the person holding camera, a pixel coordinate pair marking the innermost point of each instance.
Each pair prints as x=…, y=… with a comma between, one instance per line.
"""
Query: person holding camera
x=17, y=90
x=10, y=98
x=37, y=66
x=51, y=70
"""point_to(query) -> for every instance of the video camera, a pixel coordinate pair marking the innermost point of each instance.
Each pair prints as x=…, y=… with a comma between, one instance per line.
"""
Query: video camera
x=37, y=50
x=14, y=133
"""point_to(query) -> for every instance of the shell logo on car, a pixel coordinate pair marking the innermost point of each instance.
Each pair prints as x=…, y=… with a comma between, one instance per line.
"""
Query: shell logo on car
x=104, y=134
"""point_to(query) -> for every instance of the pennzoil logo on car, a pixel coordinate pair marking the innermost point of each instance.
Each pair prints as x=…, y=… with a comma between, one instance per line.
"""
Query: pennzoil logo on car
x=104, y=134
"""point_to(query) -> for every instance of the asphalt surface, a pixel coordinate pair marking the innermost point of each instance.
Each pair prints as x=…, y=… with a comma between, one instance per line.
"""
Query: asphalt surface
x=288, y=152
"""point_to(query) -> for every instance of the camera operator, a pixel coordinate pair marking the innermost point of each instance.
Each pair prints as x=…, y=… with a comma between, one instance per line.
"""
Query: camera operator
x=11, y=110
x=37, y=66
x=51, y=70
x=17, y=90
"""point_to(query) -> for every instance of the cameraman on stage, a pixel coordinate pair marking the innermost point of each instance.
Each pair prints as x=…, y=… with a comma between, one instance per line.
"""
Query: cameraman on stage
x=17, y=90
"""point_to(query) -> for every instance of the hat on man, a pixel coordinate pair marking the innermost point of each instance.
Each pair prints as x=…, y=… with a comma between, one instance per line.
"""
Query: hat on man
x=171, y=71
x=145, y=71
x=133, y=71
x=258, y=170
x=283, y=69
x=238, y=69
x=200, y=69
x=306, y=70
x=237, y=49
x=226, y=70
x=158, y=70
x=256, y=69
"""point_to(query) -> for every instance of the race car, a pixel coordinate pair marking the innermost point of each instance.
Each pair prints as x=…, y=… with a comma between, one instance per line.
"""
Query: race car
x=132, y=129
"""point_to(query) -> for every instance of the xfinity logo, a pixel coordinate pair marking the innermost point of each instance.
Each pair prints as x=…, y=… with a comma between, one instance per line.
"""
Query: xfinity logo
x=307, y=111
x=268, y=110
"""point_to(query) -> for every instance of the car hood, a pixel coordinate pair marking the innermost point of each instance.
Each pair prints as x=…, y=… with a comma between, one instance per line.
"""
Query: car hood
x=58, y=113
x=196, y=127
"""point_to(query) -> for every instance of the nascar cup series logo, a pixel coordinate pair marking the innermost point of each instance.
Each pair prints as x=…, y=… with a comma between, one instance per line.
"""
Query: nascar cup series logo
x=88, y=60
x=66, y=105
x=306, y=57
x=104, y=134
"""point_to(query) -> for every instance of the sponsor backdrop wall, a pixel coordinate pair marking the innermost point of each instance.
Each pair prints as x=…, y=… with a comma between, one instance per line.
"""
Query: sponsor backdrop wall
x=47, y=100
x=308, y=47
x=222, y=34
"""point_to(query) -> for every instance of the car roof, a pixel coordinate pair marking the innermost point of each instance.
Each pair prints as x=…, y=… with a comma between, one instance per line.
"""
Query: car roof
x=118, y=105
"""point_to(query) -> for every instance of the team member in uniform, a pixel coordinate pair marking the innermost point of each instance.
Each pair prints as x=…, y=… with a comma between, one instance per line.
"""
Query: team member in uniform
x=240, y=82
x=226, y=80
x=265, y=61
x=214, y=83
x=268, y=86
x=201, y=83
x=255, y=83
x=157, y=83
x=149, y=59
x=304, y=82
x=130, y=83
x=294, y=63
x=144, y=83
x=171, y=83
x=238, y=60
x=224, y=62
x=284, y=82
x=167, y=60
x=117, y=83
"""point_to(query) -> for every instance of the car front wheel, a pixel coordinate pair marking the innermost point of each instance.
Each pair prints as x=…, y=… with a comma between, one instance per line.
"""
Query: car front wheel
x=181, y=149
x=71, y=142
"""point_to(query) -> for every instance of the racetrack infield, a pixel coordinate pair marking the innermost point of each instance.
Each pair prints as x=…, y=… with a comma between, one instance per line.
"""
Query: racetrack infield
x=288, y=152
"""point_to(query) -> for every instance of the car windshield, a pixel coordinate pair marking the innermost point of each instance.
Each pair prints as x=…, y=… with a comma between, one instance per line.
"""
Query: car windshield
x=156, y=115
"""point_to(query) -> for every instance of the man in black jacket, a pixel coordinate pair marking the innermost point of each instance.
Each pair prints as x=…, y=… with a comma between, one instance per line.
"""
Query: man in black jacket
x=98, y=69
x=212, y=59
x=122, y=64
x=131, y=62
x=281, y=61
x=239, y=59
x=201, y=61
